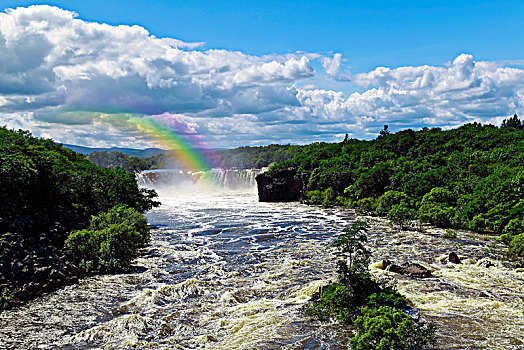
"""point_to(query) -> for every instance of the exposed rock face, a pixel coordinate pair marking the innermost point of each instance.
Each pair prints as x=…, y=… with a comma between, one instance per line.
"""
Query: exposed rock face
x=406, y=268
x=283, y=185
x=32, y=266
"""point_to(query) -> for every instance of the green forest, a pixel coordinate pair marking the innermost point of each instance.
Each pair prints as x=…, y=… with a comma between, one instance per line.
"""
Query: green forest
x=48, y=193
x=471, y=177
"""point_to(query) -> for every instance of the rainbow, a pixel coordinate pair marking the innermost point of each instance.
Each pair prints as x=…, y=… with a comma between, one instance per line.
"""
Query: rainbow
x=182, y=148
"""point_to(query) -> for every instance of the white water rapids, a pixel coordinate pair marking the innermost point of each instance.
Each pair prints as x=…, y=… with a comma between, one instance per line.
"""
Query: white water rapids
x=224, y=271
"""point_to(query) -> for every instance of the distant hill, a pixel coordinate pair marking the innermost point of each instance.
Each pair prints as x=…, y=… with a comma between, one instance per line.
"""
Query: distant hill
x=140, y=153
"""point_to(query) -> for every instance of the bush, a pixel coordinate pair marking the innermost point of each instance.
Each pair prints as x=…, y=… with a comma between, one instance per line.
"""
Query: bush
x=329, y=198
x=313, y=197
x=5, y=298
x=389, y=199
x=336, y=302
x=512, y=229
x=387, y=297
x=366, y=205
x=400, y=214
x=450, y=234
x=342, y=201
x=112, y=241
x=387, y=328
x=359, y=300
x=516, y=247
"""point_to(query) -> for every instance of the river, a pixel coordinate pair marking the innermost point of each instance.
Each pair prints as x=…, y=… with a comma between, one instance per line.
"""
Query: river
x=224, y=271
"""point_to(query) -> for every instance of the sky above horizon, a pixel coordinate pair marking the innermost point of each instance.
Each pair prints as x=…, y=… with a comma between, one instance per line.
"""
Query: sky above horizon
x=258, y=72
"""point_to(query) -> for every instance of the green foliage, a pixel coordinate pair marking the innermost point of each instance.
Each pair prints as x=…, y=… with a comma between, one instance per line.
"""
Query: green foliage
x=329, y=198
x=469, y=177
x=112, y=241
x=350, y=243
x=356, y=299
x=512, y=229
x=315, y=197
x=401, y=214
x=45, y=185
x=342, y=201
x=389, y=199
x=387, y=297
x=436, y=207
x=326, y=198
x=513, y=122
x=337, y=301
x=516, y=247
x=388, y=328
x=365, y=205
x=5, y=298
x=450, y=234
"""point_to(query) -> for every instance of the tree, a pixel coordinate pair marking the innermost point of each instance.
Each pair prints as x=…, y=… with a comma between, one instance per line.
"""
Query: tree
x=436, y=207
x=388, y=328
x=400, y=214
x=111, y=242
x=513, y=122
x=350, y=242
x=384, y=132
x=389, y=199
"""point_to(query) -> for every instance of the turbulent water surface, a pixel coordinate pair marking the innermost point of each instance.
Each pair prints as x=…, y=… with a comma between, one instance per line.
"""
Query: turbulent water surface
x=224, y=271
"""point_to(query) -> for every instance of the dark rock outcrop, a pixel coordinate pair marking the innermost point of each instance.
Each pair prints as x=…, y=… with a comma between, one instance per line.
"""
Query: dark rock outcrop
x=32, y=266
x=406, y=268
x=453, y=258
x=283, y=185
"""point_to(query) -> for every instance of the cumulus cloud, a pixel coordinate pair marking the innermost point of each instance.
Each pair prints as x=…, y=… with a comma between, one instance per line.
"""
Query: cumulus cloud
x=61, y=77
x=332, y=65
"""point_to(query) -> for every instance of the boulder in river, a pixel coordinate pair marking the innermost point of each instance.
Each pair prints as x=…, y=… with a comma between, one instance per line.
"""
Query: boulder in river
x=453, y=258
x=406, y=268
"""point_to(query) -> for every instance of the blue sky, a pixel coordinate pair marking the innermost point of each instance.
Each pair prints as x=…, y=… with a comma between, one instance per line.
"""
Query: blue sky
x=309, y=66
x=367, y=33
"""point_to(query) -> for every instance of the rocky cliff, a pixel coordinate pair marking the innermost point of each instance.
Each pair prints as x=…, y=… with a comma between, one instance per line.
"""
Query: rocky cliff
x=283, y=185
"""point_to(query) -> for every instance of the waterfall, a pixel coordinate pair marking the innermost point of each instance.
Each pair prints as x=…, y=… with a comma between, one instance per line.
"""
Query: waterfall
x=223, y=178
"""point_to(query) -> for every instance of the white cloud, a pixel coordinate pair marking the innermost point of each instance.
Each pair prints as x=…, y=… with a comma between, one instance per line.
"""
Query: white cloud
x=59, y=75
x=332, y=65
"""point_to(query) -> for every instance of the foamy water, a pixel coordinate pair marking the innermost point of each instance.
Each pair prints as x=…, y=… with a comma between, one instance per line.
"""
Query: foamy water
x=224, y=271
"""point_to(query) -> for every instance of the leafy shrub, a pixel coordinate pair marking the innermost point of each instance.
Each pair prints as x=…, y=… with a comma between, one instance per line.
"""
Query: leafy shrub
x=313, y=197
x=112, y=241
x=512, y=229
x=329, y=198
x=336, y=301
x=450, y=234
x=366, y=205
x=401, y=214
x=342, y=201
x=5, y=297
x=389, y=199
x=516, y=247
x=357, y=299
x=388, y=328
x=387, y=297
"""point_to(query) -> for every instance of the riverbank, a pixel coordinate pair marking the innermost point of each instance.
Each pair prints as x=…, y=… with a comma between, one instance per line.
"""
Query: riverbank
x=30, y=267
